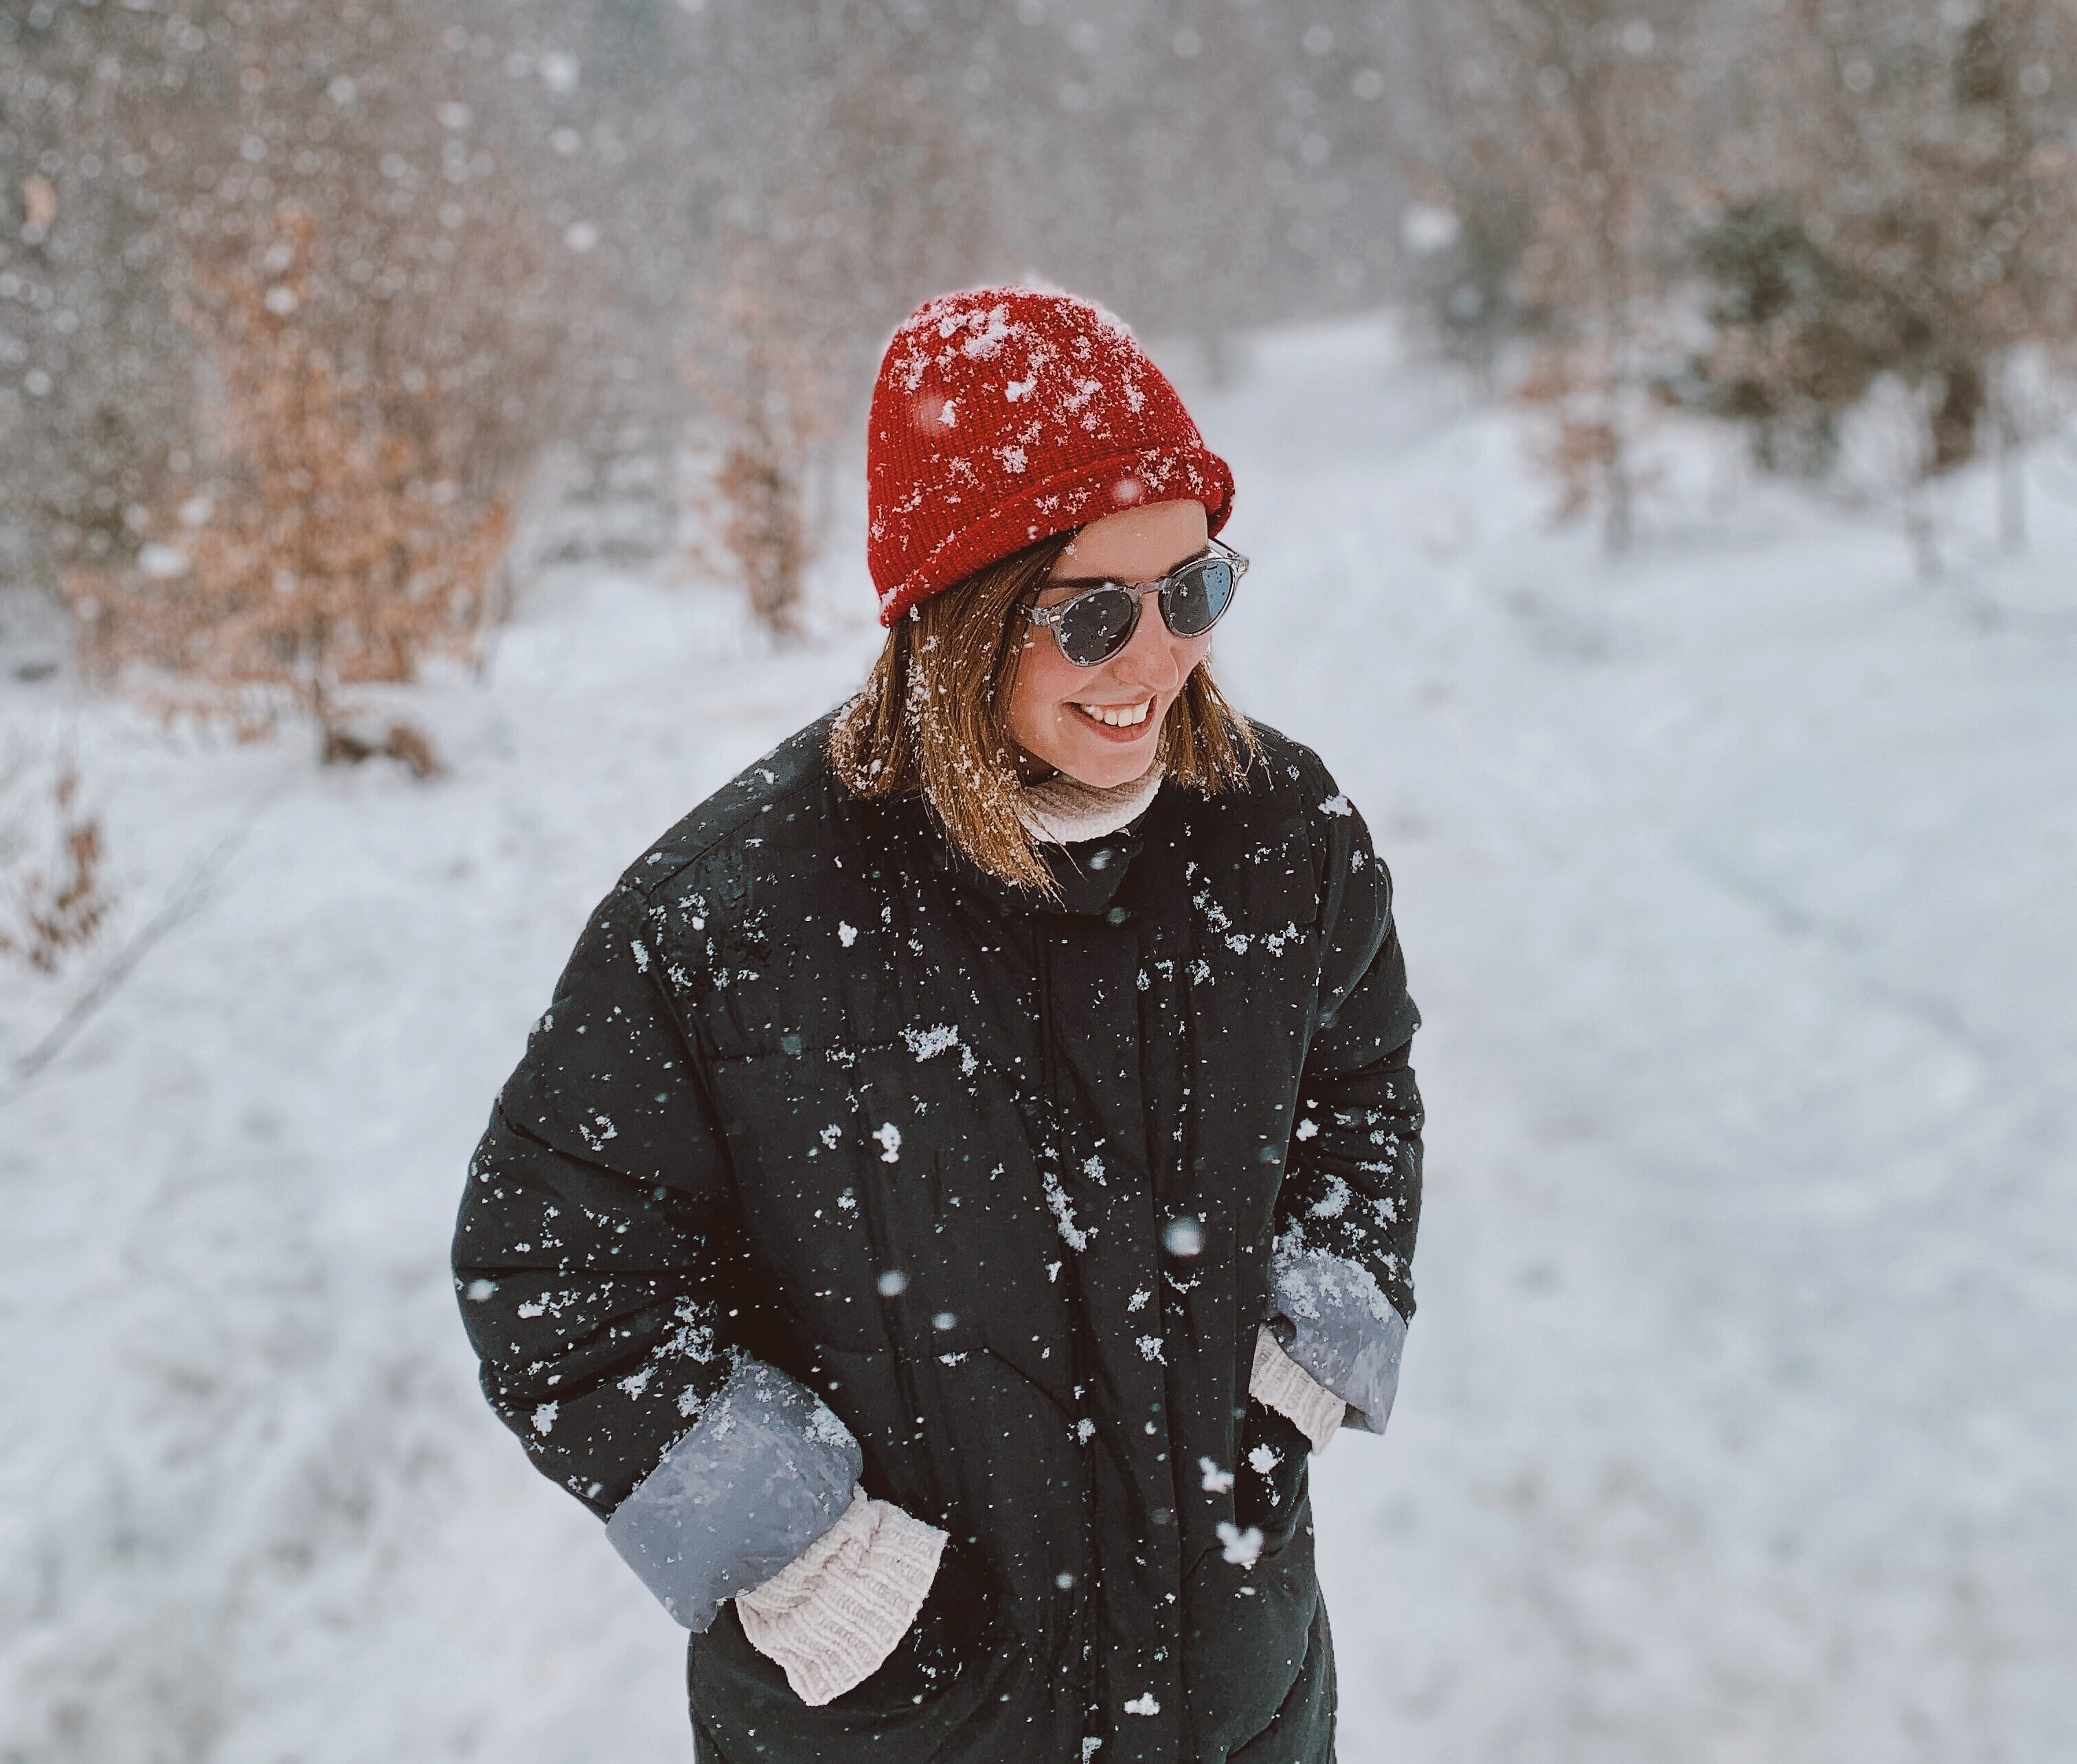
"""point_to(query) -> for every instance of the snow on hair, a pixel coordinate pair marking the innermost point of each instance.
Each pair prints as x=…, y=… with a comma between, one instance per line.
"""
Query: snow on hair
x=934, y=717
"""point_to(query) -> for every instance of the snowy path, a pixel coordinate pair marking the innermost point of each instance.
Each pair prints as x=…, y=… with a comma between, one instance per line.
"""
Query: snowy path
x=1740, y=890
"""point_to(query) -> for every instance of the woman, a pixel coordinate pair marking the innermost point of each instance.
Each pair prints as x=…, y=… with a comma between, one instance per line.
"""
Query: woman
x=972, y=1158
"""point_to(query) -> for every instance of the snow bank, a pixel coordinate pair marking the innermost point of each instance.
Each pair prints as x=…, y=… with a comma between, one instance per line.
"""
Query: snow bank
x=1735, y=884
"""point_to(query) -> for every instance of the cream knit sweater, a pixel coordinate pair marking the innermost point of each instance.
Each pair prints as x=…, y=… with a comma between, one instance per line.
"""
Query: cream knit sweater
x=833, y=1613
x=831, y=1616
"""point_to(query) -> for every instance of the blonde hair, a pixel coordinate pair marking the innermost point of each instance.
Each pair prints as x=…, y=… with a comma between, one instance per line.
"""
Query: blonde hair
x=934, y=717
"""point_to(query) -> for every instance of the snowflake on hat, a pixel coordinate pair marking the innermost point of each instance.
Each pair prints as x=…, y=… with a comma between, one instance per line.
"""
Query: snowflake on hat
x=1002, y=416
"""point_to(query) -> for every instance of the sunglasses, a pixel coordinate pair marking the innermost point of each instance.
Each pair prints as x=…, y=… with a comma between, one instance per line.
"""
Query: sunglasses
x=1097, y=623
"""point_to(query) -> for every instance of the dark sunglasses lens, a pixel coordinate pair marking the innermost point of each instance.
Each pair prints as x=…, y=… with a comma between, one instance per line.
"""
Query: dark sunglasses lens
x=1197, y=596
x=1095, y=625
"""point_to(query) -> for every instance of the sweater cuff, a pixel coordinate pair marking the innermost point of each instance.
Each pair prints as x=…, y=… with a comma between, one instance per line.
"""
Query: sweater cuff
x=833, y=1615
x=1282, y=1384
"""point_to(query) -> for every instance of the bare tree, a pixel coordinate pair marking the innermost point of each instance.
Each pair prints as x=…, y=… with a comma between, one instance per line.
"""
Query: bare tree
x=1469, y=224
x=768, y=406
x=863, y=199
x=1563, y=141
x=1905, y=184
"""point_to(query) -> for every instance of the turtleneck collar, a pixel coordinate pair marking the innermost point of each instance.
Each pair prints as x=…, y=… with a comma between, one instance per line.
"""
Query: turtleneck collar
x=1089, y=866
x=1061, y=811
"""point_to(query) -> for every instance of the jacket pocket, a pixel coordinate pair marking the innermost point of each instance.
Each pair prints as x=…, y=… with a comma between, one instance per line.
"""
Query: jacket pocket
x=744, y=1700
x=1246, y=1626
x=1271, y=1482
x=1248, y=1601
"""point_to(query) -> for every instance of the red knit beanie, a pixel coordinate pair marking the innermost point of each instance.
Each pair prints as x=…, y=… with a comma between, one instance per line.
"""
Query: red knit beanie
x=1002, y=416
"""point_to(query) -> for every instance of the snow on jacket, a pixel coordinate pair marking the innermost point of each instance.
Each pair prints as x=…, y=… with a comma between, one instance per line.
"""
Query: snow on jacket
x=836, y=1164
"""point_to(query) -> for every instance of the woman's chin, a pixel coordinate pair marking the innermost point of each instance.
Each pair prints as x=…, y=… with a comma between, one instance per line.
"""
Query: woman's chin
x=1108, y=767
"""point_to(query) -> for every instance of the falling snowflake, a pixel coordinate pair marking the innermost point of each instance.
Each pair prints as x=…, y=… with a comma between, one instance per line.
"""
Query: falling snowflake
x=1182, y=1236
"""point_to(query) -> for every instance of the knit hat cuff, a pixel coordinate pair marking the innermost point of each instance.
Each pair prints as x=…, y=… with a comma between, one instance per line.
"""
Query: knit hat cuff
x=1068, y=499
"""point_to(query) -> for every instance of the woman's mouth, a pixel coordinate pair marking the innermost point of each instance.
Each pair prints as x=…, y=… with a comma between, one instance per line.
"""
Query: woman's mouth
x=1118, y=722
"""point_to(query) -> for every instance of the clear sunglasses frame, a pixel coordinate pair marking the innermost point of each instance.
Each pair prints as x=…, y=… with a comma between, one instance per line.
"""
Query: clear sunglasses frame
x=1050, y=616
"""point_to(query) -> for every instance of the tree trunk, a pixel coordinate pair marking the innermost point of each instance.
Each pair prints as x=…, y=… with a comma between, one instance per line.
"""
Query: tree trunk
x=1922, y=535
x=2012, y=470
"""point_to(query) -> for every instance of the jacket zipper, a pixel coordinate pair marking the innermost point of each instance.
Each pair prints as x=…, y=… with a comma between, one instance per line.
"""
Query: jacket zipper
x=1089, y=1593
x=948, y=1469
x=892, y=1309
x=1047, y=1075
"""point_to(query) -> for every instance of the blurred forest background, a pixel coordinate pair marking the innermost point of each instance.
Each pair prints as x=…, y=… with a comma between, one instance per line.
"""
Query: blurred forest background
x=300, y=302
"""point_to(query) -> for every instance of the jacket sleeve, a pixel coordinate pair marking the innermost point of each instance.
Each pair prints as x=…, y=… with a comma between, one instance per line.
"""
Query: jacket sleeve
x=1340, y=1275
x=608, y=1290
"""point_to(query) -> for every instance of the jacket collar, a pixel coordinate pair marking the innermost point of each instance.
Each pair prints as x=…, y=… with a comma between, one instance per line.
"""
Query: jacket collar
x=1090, y=873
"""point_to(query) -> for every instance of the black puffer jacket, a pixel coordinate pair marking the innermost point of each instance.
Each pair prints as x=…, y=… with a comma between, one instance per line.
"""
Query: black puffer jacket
x=803, y=1047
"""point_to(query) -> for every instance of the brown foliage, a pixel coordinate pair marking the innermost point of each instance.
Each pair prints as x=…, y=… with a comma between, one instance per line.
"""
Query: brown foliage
x=1567, y=120
x=164, y=138
x=862, y=204
x=53, y=896
x=1582, y=444
x=405, y=742
x=332, y=549
x=769, y=402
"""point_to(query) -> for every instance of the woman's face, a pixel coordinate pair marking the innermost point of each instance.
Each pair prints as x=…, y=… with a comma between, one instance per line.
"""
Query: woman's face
x=1057, y=709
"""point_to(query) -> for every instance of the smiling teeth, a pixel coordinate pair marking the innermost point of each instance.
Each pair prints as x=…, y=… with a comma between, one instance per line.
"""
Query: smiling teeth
x=1118, y=716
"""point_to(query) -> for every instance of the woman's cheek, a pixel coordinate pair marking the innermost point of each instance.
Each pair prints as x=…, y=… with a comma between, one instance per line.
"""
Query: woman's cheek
x=1037, y=699
x=1061, y=683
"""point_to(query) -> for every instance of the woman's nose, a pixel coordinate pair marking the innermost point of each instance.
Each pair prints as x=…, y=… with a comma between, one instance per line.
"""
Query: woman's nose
x=1156, y=659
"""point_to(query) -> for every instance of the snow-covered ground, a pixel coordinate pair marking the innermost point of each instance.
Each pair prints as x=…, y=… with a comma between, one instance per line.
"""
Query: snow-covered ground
x=1739, y=887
